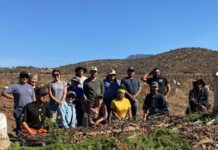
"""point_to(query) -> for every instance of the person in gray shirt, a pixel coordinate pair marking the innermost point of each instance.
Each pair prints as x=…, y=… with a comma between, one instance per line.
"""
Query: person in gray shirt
x=22, y=93
x=133, y=89
x=57, y=92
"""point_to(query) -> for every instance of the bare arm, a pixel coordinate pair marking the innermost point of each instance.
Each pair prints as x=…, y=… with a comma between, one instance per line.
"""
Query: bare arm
x=63, y=98
x=25, y=125
x=137, y=93
x=129, y=113
x=168, y=90
x=7, y=95
x=145, y=114
x=146, y=76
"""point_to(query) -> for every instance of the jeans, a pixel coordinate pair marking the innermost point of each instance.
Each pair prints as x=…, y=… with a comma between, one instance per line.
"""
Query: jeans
x=134, y=108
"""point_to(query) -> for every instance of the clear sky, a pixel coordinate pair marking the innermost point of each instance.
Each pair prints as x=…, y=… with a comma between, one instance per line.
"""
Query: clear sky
x=50, y=33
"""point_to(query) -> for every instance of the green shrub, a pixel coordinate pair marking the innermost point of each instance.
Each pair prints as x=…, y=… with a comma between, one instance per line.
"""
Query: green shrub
x=159, y=139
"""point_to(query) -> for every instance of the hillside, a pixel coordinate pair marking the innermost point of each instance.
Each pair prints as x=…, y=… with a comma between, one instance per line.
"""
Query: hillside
x=184, y=60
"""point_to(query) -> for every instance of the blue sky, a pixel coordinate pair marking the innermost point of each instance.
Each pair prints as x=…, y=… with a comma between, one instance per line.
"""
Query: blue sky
x=45, y=33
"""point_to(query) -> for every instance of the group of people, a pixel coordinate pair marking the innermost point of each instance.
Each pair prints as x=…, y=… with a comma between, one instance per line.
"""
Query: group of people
x=89, y=101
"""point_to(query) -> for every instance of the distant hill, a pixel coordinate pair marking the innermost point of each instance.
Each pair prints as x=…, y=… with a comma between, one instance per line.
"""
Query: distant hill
x=183, y=60
x=138, y=56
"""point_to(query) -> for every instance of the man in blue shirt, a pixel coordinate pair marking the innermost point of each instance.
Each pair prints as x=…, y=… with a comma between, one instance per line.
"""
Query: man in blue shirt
x=133, y=89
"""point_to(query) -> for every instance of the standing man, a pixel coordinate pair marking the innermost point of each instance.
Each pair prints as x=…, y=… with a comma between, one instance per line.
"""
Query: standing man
x=133, y=89
x=155, y=75
x=93, y=87
x=111, y=85
x=22, y=93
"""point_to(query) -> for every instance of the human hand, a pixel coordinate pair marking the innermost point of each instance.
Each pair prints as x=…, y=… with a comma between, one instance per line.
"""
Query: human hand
x=203, y=108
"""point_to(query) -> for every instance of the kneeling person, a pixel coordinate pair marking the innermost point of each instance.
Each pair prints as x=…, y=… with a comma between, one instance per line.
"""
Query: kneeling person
x=120, y=106
x=35, y=113
x=98, y=113
x=155, y=103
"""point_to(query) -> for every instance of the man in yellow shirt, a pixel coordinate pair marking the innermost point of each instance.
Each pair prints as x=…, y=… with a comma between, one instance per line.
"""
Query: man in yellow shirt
x=120, y=106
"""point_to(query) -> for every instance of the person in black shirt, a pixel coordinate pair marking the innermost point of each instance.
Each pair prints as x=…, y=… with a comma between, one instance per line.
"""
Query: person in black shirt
x=35, y=113
x=164, y=86
x=155, y=103
x=198, y=97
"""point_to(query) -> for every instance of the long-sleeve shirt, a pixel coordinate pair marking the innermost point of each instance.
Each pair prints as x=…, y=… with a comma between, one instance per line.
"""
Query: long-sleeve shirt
x=198, y=97
x=155, y=104
x=111, y=88
x=68, y=115
x=92, y=89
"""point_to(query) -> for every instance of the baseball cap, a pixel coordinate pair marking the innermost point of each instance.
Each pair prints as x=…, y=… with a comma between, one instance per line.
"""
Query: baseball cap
x=130, y=69
x=75, y=80
x=41, y=91
x=24, y=74
x=154, y=84
x=93, y=68
x=71, y=94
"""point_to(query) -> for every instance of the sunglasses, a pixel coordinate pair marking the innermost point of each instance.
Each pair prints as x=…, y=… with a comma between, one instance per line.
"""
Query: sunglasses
x=56, y=74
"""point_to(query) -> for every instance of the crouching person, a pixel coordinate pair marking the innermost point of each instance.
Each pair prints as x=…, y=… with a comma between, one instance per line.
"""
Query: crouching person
x=198, y=98
x=98, y=112
x=68, y=111
x=120, y=107
x=155, y=103
x=35, y=114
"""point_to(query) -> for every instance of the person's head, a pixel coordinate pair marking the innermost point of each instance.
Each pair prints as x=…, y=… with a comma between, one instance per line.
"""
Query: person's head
x=154, y=87
x=56, y=74
x=71, y=96
x=79, y=71
x=93, y=72
x=111, y=75
x=33, y=79
x=99, y=101
x=74, y=82
x=23, y=77
x=130, y=72
x=198, y=84
x=41, y=94
x=156, y=72
x=120, y=94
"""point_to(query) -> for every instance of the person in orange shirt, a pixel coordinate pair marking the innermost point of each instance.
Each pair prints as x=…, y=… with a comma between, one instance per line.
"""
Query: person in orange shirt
x=120, y=106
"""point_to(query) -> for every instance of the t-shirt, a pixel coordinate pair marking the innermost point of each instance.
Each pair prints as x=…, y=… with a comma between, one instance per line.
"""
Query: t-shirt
x=23, y=94
x=132, y=85
x=92, y=89
x=35, y=114
x=155, y=104
x=120, y=107
x=58, y=91
x=162, y=82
